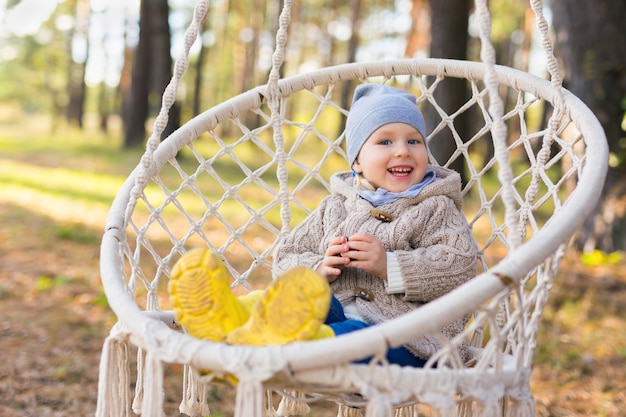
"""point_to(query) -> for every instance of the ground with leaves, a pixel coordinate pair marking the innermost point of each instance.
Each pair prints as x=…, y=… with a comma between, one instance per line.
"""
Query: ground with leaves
x=54, y=317
x=53, y=321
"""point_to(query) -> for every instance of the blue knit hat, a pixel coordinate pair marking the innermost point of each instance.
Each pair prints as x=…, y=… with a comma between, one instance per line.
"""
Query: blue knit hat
x=375, y=105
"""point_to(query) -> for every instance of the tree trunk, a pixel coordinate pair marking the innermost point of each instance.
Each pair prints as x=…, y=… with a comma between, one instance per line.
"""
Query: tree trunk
x=353, y=44
x=151, y=72
x=76, y=88
x=419, y=37
x=449, y=39
x=591, y=44
x=161, y=63
x=124, y=92
x=136, y=110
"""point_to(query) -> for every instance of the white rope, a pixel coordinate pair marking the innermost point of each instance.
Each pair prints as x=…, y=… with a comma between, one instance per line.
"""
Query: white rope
x=270, y=411
x=379, y=406
x=114, y=376
x=153, y=396
x=546, y=43
x=139, y=384
x=345, y=411
x=405, y=411
x=273, y=103
x=555, y=117
x=278, y=56
x=168, y=99
x=194, y=402
x=292, y=404
x=498, y=129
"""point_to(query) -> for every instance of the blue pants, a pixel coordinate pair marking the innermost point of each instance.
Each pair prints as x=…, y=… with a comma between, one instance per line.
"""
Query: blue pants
x=340, y=324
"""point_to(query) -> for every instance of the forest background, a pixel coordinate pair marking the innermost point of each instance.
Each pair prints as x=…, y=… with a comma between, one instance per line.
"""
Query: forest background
x=80, y=83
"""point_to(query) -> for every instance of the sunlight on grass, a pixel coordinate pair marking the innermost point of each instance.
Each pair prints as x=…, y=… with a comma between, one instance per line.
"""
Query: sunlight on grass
x=57, y=193
x=60, y=181
x=88, y=151
x=67, y=195
x=56, y=207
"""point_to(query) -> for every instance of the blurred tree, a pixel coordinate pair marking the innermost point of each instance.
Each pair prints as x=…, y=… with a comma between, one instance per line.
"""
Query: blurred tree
x=78, y=46
x=449, y=39
x=419, y=36
x=151, y=72
x=353, y=44
x=33, y=73
x=591, y=44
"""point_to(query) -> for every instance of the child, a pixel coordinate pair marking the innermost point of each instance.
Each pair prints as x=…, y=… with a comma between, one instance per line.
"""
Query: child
x=391, y=236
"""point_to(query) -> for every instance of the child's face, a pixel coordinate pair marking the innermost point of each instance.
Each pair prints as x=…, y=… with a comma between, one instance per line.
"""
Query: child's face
x=394, y=157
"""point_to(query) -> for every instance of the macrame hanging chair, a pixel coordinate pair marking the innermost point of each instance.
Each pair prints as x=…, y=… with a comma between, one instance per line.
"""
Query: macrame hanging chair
x=251, y=168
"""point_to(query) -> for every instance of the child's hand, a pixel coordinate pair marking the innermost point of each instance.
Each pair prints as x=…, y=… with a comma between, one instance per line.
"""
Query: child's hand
x=334, y=259
x=367, y=253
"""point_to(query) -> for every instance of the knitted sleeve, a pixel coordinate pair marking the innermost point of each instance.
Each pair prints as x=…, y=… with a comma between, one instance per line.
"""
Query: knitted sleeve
x=301, y=247
x=394, y=283
x=444, y=253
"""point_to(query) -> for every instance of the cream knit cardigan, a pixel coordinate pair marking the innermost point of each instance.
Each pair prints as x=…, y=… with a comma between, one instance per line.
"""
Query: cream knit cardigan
x=429, y=234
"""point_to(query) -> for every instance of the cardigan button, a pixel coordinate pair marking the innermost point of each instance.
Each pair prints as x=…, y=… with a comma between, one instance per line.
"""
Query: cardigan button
x=381, y=215
x=364, y=294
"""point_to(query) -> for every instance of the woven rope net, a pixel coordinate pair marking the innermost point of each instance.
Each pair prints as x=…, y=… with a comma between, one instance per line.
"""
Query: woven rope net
x=240, y=175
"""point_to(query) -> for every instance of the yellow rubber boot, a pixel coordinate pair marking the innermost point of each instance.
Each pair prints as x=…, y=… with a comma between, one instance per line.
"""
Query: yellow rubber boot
x=292, y=309
x=324, y=332
x=250, y=299
x=201, y=297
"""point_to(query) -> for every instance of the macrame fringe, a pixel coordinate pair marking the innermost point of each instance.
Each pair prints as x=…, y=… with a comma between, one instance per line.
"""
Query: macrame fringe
x=492, y=409
x=249, y=401
x=194, y=402
x=113, y=380
x=405, y=411
x=346, y=411
x=152, y=404
x=465, y=409
x=270, y=411
x=379, y=406
x=290, y=405
x=138, y=400
x=523, y=408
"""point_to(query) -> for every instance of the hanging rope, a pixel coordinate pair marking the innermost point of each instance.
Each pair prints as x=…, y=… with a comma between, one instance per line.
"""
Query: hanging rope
x=557, y=113
x=498, y=130
x=273, y=95
x=546, y=43
x=168, y=99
